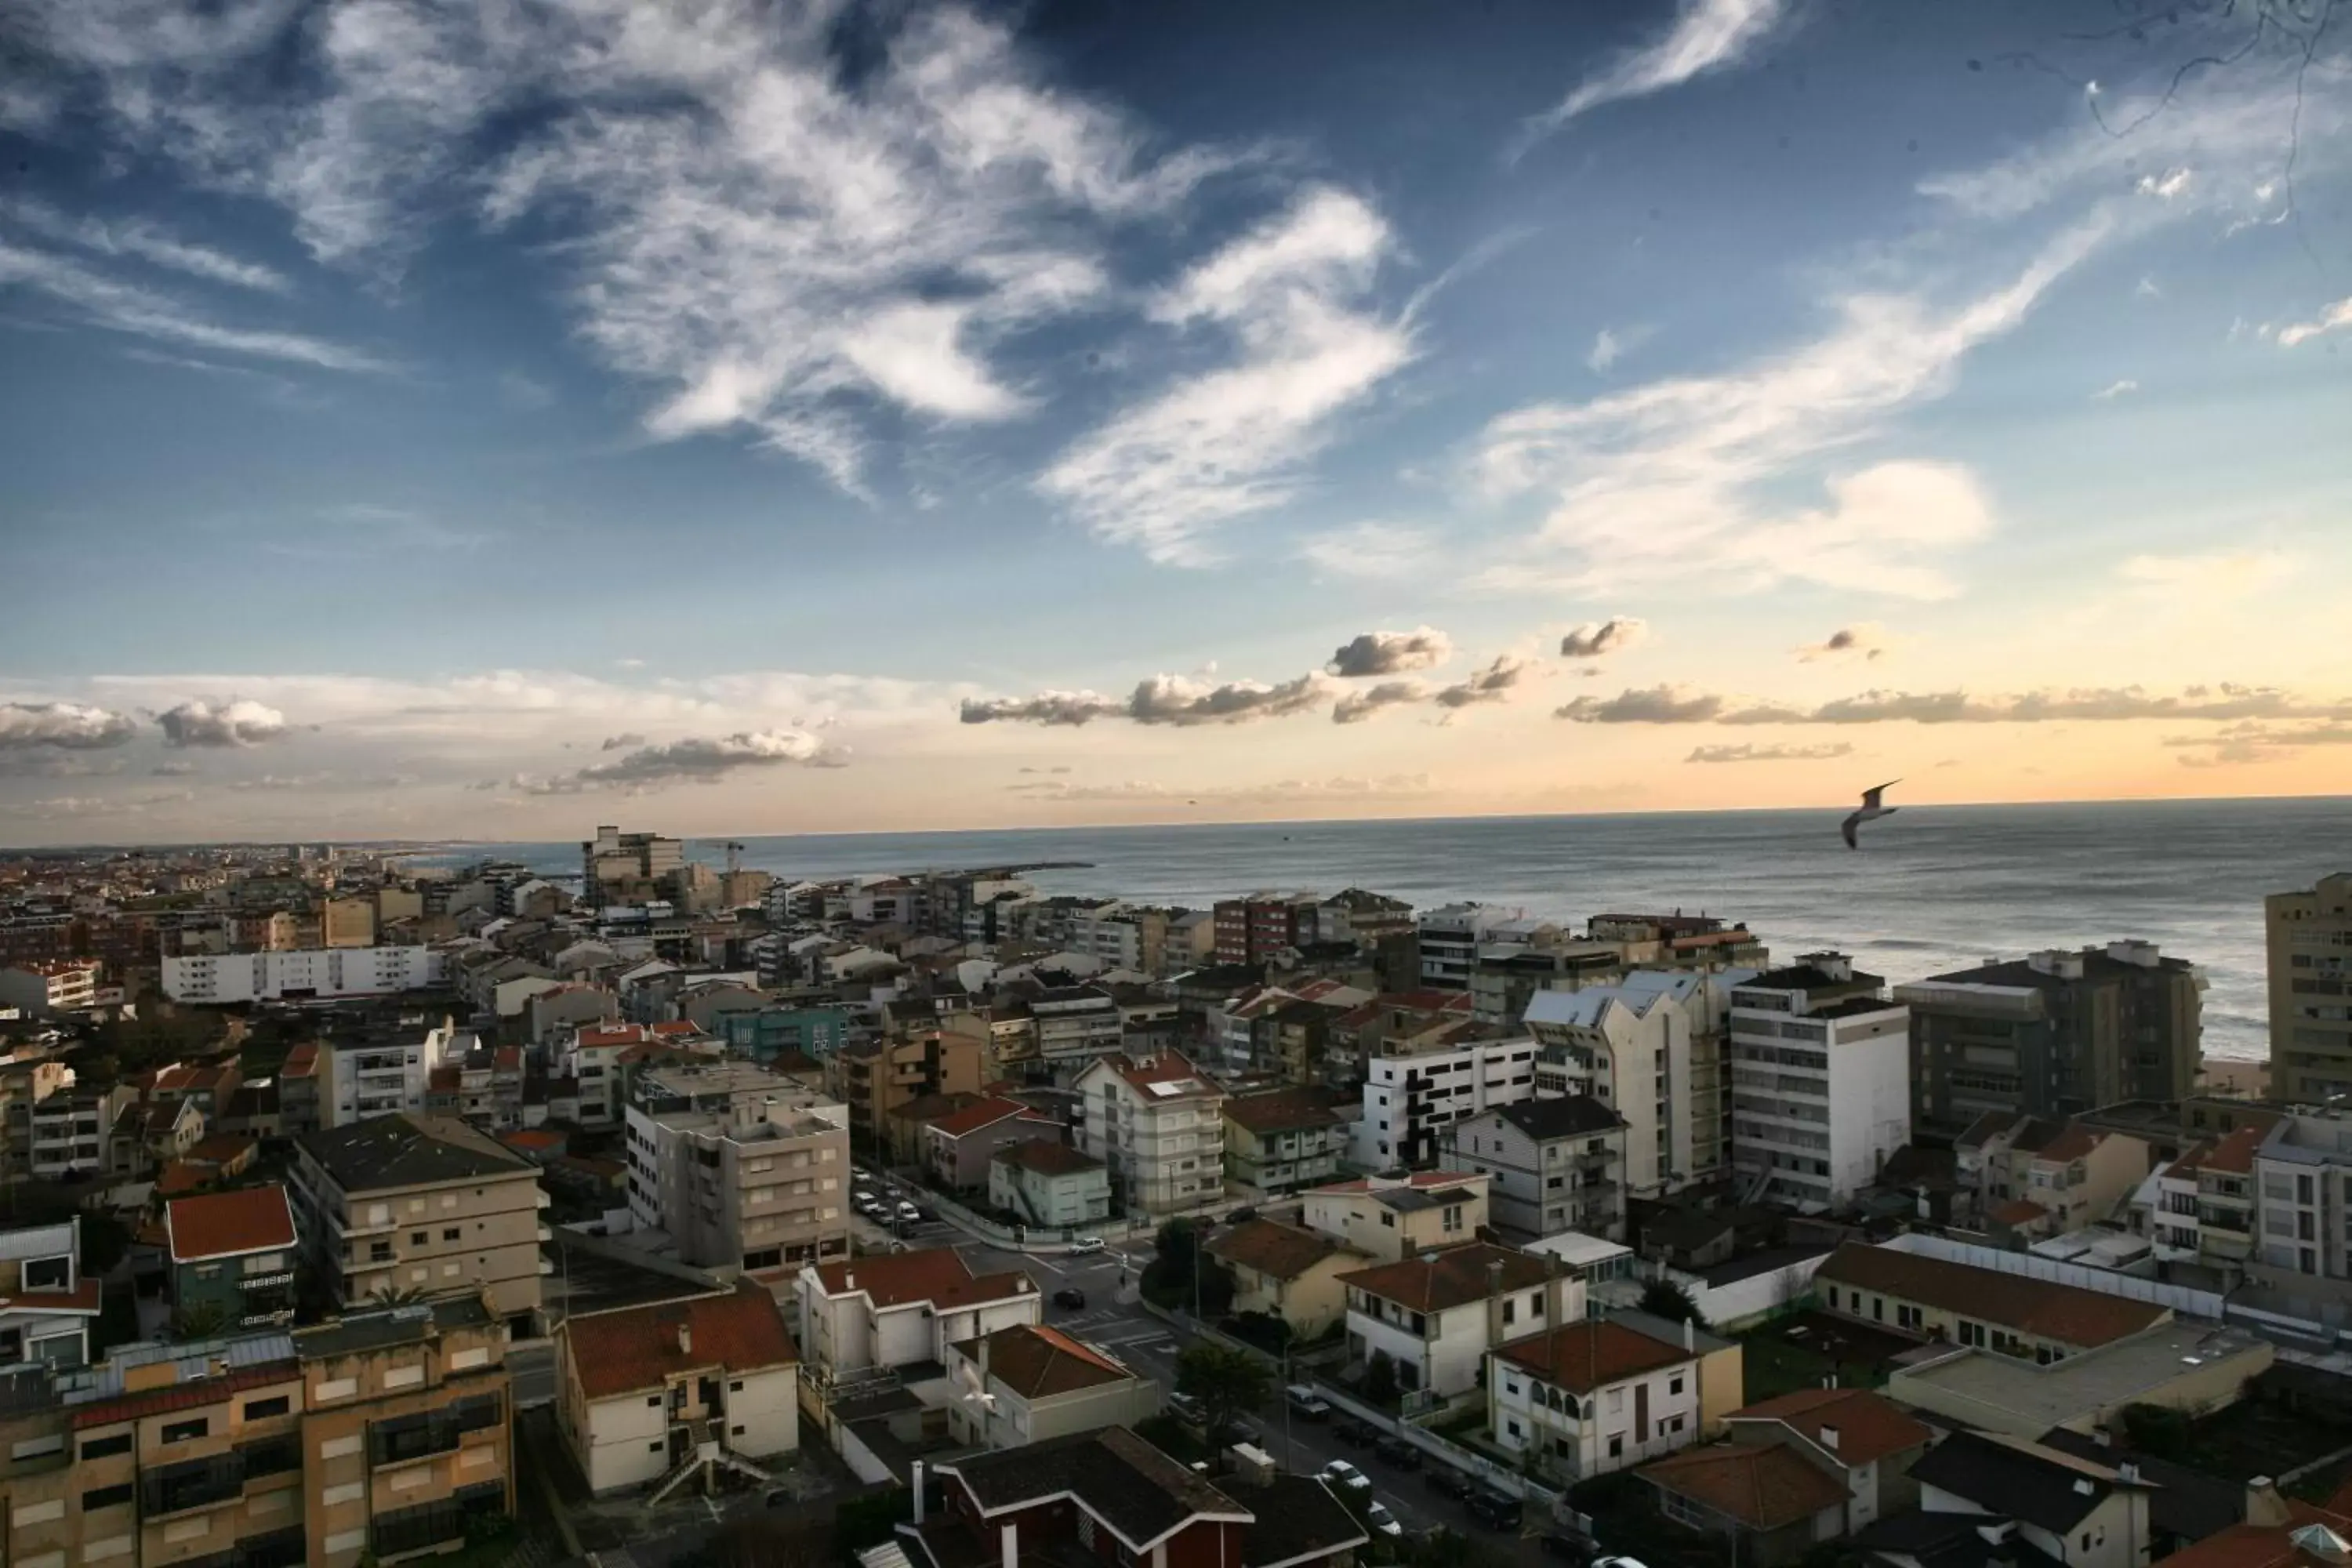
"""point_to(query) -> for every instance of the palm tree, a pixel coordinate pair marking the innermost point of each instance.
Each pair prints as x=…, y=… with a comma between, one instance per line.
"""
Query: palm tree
x=199, y=1321
x=396, y=1296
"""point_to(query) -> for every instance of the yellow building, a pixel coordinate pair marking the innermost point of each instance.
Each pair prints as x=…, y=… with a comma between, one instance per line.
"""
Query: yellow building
x=1288, y=1273
x=1390, y=1216
x=2310, y=943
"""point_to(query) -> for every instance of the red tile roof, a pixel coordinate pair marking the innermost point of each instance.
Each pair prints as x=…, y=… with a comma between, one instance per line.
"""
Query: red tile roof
x=185, y=1396
x=973, y=1118
x=81, y=1298
x=223, y=1225
x=1048, y=1158
x=178, y=1176
x=1764, y=1487
x=1283, y=1109
x=533, y=1138
x=221, y=1149
x=2020, y=1211
x=2268, y=1545
x=302, y=1061
x=2070, y=1145
x=937, y=1275
x=641, y=1347
x=1866, y=1425
x=612, y=1035
x=1166, y=1067
x=1037, y=1362
x=2046, y=1311
x=1587, y=1356
x=1278, y=1251
x=1453, y=1277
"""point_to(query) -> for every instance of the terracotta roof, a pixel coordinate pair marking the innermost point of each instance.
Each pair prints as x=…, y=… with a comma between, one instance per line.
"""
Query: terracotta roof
x=1763, y=1486
x=928, y=1108
x=2070, y=1145
x=224, y=1225
x=2270, y=1545
x=533, y=1138
x=975, y=1117
x=1453, y=1277
x=675, y=1028
x=2036, y=1306
x=221, y=1149
x=642, y=1347
x=1048, y=1158
x=2235, y=1155
x=1166, y=1067
x=937, y=1275
x=1866, y=1425
x=1285, y=1109
x=1415, y=1179
x=2020, y=1211
x=1280, y=1251
x=185, y=1396
x=1586, y=1356
x=1037, y=1362
x=610, y=1035
x=82, y=1299
x=178, y=1176
x=302, y=1061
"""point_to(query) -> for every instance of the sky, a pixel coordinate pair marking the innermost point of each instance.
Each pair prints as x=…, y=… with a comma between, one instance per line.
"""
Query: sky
x=424, y=418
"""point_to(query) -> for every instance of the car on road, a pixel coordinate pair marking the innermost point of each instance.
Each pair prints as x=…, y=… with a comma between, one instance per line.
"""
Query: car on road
x=1447, y=1481
x=1087, y=1244
x=1305, y=1402
x=908, y=1212
x=1070, y=1296
x=1397, y=1451
x=1353, y=1433
x=1383, y=1521
x=1242, y=1215
x=1496, y=1510
x=1616, y=1563
x=1186, y=1408
x=1340, y=1473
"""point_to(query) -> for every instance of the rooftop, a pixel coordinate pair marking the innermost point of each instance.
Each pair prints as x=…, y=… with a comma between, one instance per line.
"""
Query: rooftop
x=1585, y=1356
x=2004, y=1393
x=1763, y=1486
x=1269, y=1247
x=1048, y=1158
x=938, y=1275
x=1854, y=1424
x=1562, y=1116
x=634, y=1348
x=229, y=1225
x=356, y=1333
x=1456, y=1276
x=1038, y=1362
x=2037, y=1307
x=2011, y=1477
x=1120, y=1479
x=1284, y=1110
x=407, y=1151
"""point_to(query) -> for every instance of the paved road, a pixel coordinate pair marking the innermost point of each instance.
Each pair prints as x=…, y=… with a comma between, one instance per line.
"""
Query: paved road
x=533, y=1368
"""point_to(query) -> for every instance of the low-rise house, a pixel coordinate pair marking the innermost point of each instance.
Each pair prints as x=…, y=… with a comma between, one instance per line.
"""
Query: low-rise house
x=232, y=1260
x=903, y=1128
x=1935, y=1299
x=649, y=1390
x=958, y=1147
x=1557, y=1164
x=2071, y=1174
x=47, y=1303
x=1288, y=1273
x=2280, y=1533
x=1862, y=1441
x=2192, y=1366
x=1108, y=1495
x=1390, y=1217
x=2085, y=1513
x=1029, y=1383
x=1279, y=1143
x=1591, y=1397
x=1435, y=1316
x=1773, y=1506
x=863, y=1314
x=1049, y=1183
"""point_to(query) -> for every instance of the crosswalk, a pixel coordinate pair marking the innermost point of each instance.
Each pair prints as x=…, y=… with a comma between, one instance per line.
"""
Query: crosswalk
x=1114, y=1329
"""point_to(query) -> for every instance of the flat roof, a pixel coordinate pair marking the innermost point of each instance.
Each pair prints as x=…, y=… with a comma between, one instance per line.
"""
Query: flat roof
x=2003, y=1393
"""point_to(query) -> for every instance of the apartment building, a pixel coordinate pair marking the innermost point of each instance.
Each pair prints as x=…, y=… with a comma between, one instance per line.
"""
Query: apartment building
x=43, y=986
x=1581, y=1399
x=377, y=1437
x=300, y=1083
x=232, y=1258
x=1556, y=1163
x=1074, y=1026
x=895, y=1309
x=625, y=867
x=1049, y=1183
x=47, y=1303
x=1252, y=929
x=1820, y=1081
x=1415, y=1088
x=67, y=1135
x=1389, y=1216
x=2302, y=1173
x=1281, y=1142
x=381, y=1074
x=649, y=1391
x=874, y=1078
x=738, y=1166
x=1362, y=918
x=1434, y=1316
x=419, y=1203
x=303, y=974
x=1651, y=1047
x=2309, y=938
x=1447, y=940
x=1031, y=1384
x=1160, y=1128
x=2055, y=1034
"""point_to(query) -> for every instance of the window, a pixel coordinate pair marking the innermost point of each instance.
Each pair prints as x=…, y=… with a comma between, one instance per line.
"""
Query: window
x=103, y=1447
x=263, y=1409
x=452, y=1233
x=186, y=1431
x=1617, y=1446
x=107, y=1496
x=50, y=1273
x=1675, y=1386
x=417, y=1238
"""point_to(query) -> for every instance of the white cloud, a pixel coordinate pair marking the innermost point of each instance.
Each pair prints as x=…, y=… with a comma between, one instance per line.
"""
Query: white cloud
x=2165, y=186
x=1604, y=352
x=1166, y=473
x=2222, y=574
x=240, y=721
x=72, y=726
x=141, y=240
x=1708, y=36
x=1373, y=551
x=1390, y=653
x=1658, y=482
x=1174, y=699
x=2114, y=389
x=2329, y=319
x=1596, y=639
x=2227, y=701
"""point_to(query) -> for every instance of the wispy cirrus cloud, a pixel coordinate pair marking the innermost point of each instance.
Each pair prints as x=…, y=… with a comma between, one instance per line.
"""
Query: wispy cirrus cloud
x=1748, y=751
x=2220, y=574
x=2227, y=701
x=140, y=239
x=1373, y=551
x=1707, y=35
x=1166, y=473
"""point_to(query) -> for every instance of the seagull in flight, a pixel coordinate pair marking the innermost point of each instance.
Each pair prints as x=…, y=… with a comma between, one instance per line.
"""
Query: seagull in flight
x=1870, y=810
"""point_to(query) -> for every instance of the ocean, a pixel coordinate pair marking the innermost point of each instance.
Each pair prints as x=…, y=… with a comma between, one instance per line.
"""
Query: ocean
x=1933, y=888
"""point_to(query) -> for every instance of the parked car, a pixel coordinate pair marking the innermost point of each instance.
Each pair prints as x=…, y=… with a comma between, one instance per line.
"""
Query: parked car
x=1070, y=1296
x=1397, y=1451
x=1353, y=1433
x=1306, y=1402
x=1185, y=1408
x=1447, y=1481
x=1383, y=1521
x=925, y=1213
x=1568, y=1548
x=908, y=1212
x=1616, y=1563
x=1340, y=1473
x=1087, y=1244
x=1246, y=1212
x=1496, y=1510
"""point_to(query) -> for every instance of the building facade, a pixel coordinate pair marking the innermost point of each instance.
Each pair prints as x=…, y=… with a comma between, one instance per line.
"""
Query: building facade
x=1820, y=1084
x=738, y=1166
x=232, y=1259
x=1556, y=1164
x=219, y=979
x=1412, y=1095
x=2309, y=937
x=1651, y=1047
x=1160, y=1128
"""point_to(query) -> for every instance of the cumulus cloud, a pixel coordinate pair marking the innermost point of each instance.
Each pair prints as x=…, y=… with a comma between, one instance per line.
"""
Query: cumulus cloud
x=1675, y=705
x=2114, y=389
x=1655, y=705
x=1595, y=639
x=691, y=761
x=2329, y=319
x=68, y=725
x=238, y=722
x=1071, y=708
x=1492, y=684
x=1707, y=37
x=1160, y=700
x=1358, y=706
x=1227, y=442
x=623, y=741
x=1863, y=639
x=1390, y=653
x=1747, y=753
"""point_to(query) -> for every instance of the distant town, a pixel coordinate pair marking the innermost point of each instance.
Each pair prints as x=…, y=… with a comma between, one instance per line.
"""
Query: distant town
x=358, y=1210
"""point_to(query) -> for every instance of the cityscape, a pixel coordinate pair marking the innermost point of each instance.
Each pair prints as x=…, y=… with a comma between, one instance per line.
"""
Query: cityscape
x=668, y=1211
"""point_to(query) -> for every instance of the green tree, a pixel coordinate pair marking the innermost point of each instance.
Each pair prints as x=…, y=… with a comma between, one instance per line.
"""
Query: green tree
x=1667, y=1299
x=1227, y=1382
x=394, y=1296
x=1381, y=1378
x=199, y=1321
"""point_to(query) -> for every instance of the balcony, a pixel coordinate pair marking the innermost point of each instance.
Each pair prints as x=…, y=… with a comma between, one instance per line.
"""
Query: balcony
x=191, y=1484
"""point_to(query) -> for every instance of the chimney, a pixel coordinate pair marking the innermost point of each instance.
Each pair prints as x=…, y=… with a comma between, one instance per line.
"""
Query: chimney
x=915, y=1475
x=848, y=1281
x=1690, y=1337
x=2264, y=1504
x=1829, y=1438
x=685, y=1337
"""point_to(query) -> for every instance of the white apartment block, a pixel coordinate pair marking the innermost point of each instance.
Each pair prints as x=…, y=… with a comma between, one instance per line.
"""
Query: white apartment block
x=739, y=1167
x=1820, y=1081
x=204, y=978
x=862, y=1315
x=58, y=985
x=363, y=1080
x=1409, y=1100
x=1448, y=937
x=2304, y=1195
x=1650, y=1048
x=1160, y=1127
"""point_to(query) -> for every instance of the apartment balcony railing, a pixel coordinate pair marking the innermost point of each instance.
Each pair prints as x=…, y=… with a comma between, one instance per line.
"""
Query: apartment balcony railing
x=191, y=1484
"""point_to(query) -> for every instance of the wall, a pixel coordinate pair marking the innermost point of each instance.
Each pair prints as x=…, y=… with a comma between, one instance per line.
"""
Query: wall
x=2179, y=1298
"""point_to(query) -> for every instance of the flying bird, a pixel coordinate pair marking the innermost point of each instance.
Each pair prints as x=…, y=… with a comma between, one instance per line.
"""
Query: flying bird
x=1871, y=810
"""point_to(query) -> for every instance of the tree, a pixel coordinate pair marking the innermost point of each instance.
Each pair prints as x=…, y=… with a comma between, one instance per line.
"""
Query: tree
x=1667, y=1299
x=199, y=1321
x=1381, y=1378
x=1227, y=1383
x=394, y=1296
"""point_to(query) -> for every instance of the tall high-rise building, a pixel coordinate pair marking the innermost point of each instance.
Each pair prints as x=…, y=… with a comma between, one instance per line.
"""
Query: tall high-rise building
x=621, y=867
x=2310, y=936
x=1820, y=1081
x=2055, y=1034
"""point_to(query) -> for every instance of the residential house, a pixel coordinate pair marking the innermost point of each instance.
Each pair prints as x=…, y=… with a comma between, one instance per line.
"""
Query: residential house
x=1434, y=1317
x=1773, y=1506
x=858, y=1315
x=2068, y=1175
x=1279, y=1143
x=232, y=1260
x=648, y=1390
x=1030, y=1383
x=2082, y=1512
x=1390, y=1217
x=1935, y=1299
x=903, y=1128
x=1288, y=1273
x=874, y=1078
x=1861, y=1440
x=1160, y=1127
x=47, y=1303
x=41, y=987
x=1049, y=1183
x=959, y=1147
x=1557, y=1164
x=1581, y=1399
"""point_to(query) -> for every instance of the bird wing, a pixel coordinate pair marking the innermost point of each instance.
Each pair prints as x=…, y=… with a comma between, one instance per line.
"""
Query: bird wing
x=1870, y=796
x=1848, y=827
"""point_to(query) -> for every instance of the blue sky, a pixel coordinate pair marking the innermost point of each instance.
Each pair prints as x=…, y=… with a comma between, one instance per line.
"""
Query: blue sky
x=434, y=419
